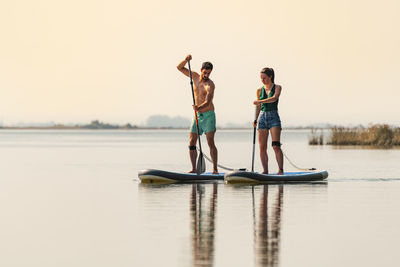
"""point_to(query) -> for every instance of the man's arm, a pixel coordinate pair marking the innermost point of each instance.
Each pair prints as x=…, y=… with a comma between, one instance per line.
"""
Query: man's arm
x=181, y=68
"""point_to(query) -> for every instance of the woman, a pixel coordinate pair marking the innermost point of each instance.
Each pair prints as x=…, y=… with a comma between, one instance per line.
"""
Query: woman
x=268, y=118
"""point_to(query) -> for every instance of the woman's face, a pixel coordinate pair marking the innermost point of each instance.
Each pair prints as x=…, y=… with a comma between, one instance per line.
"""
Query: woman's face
x=264, y=78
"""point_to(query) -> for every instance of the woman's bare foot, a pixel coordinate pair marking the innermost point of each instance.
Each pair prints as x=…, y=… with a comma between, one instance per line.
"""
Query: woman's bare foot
x=264, y=172
x=215, y=172
x=280, y=172
x=192, y=171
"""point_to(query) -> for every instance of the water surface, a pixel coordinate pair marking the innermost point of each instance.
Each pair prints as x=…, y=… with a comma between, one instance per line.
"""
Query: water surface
x=72, y=198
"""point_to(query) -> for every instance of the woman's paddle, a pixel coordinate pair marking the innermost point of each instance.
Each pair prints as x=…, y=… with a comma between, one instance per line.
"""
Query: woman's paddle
x=254, y=139
x=201, y=164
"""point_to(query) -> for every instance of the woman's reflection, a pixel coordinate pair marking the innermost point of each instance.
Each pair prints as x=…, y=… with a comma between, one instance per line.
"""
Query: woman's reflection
x=203, y=225
x=267, y=230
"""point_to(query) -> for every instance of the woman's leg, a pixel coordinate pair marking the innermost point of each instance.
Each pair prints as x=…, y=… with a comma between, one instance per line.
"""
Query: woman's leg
x=276, y=145
x=263, y=141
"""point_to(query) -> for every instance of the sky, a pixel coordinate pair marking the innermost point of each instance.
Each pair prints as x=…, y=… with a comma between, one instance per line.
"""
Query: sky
x=73, y=61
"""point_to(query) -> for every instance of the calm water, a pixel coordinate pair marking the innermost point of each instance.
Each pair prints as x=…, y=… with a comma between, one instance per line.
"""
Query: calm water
x=71, y=198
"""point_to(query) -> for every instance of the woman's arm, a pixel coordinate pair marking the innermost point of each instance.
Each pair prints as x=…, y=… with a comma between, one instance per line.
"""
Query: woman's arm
x=271, y=99
x=258, y=107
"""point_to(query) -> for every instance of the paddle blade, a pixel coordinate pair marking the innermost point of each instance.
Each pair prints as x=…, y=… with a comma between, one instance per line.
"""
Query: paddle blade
x=201, y=164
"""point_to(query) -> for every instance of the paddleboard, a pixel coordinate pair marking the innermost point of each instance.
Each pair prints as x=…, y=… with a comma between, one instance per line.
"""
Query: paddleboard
x=157, y=176
x=249, y=177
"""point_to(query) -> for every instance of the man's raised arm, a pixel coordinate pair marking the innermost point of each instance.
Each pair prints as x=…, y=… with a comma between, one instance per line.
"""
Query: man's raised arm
x=181, y=67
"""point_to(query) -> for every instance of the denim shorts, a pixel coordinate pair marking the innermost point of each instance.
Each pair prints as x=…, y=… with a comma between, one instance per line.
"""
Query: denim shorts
x=268, y=120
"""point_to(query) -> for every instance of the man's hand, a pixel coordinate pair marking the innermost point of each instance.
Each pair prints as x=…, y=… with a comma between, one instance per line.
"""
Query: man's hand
x=181, y=68
x=195, y=108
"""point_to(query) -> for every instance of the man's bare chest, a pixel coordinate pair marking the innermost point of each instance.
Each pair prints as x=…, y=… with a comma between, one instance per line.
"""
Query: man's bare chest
x=201, y=89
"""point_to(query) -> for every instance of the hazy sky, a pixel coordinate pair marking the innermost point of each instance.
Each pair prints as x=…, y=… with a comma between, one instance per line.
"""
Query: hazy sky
x=338, y=61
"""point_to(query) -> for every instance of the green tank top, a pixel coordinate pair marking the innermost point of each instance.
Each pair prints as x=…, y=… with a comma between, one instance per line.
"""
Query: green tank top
x=268, y=106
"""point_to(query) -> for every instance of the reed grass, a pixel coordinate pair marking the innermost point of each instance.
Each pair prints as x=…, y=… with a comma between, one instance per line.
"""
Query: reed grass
x=315, y=138
x=375, y=135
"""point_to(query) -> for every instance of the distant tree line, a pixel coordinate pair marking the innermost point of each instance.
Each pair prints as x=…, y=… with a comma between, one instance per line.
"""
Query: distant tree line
x=163, y=121
x=96, y=124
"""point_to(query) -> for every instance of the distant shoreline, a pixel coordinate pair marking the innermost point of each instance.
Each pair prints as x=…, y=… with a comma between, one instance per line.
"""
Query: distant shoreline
x=139, y=128
x=99, y=125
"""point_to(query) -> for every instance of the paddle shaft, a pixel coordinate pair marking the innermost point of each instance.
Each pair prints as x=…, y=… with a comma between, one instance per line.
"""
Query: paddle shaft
x=254, y=140
x=195, y=113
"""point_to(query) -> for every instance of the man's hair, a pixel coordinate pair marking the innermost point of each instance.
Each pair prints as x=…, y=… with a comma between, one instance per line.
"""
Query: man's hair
x=207, y=66
x=269, y=72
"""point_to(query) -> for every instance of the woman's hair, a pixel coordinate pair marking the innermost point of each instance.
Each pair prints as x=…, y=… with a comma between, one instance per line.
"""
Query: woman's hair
x=269, y=72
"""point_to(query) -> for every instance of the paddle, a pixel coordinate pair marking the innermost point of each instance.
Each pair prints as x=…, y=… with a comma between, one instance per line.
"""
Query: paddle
x=201, y=164
x=254, y=139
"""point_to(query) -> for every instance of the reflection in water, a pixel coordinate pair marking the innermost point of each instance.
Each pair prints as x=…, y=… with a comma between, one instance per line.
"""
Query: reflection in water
x=267, y=232
x=264, y=227
x=203, y=225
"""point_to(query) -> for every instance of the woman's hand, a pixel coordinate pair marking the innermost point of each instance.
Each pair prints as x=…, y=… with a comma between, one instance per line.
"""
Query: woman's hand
x=256, y=102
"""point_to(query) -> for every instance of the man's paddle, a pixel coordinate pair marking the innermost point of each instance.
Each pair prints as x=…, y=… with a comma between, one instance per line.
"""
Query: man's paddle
x=254, y=139
x=201, y=164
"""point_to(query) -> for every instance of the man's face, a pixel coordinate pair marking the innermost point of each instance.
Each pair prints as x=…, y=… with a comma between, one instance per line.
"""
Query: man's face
x=205, y=74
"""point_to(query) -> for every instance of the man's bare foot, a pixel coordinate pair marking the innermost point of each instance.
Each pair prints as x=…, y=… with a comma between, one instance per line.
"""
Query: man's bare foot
x=280, y=172
x=264, y=172
x=215, y=172
x=192, y=171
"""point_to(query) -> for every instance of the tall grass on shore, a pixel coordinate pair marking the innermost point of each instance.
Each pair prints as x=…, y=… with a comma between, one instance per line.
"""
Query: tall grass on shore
x=375, y=135
x=316, y=138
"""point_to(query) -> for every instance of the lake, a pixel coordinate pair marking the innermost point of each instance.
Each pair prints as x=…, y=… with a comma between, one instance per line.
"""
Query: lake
x=72, y=198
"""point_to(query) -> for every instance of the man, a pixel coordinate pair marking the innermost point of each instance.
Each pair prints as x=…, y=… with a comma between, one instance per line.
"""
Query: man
x=203, y=89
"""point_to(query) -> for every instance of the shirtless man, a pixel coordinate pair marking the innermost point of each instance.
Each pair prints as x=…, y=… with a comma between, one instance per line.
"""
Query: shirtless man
x=203, y=89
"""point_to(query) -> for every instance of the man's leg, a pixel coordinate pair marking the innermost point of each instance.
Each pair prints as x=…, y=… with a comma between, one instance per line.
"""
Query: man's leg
x=263, y=140
x=213, y=150
x=193, y=150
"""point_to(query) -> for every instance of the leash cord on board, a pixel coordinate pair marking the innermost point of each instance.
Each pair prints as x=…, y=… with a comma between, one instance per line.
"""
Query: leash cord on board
x=223, y=167
x=244, y=169
x=291, y=163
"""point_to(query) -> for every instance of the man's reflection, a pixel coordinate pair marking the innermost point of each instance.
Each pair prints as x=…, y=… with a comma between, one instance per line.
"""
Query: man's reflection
x=203, y=225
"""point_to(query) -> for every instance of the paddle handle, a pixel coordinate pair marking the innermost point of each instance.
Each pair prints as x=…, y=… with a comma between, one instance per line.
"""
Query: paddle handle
x=194, y=103
x=191, y=83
